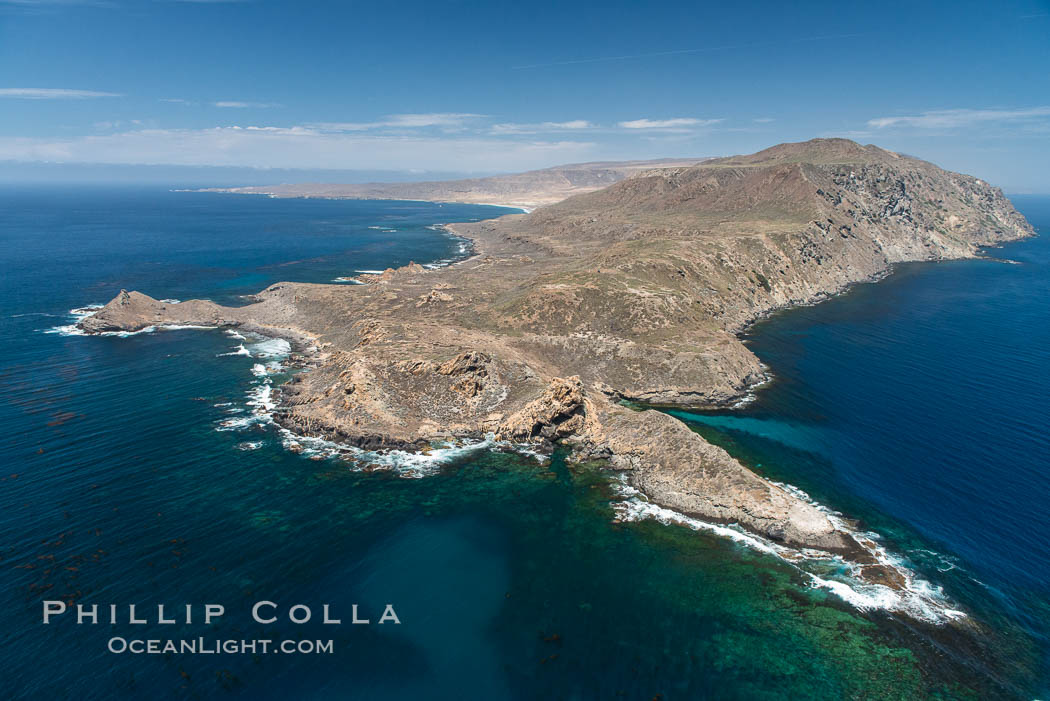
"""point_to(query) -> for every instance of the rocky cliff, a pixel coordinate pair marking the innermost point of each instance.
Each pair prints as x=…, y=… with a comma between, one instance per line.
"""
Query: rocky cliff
x=635, y=291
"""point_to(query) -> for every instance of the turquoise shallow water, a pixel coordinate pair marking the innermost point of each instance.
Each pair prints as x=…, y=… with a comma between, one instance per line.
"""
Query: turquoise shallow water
x=509, y=575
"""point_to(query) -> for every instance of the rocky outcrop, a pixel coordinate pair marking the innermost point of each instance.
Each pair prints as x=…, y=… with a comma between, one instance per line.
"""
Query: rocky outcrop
x=557, y=413
x=134, y=311
x=634, y=292
x=678, y=469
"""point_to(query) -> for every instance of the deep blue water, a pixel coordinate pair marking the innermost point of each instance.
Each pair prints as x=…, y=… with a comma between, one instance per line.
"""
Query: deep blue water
x=914, y=404
x=925, y=397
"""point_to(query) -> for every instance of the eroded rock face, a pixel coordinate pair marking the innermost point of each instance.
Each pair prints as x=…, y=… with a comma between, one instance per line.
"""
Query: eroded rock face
x=557, y=413
x=631, y=292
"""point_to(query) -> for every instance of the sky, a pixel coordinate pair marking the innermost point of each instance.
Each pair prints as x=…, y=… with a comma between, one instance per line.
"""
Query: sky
x=279, y=90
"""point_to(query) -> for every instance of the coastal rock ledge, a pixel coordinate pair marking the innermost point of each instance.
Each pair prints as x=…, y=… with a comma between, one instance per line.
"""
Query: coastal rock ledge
x=633, y=292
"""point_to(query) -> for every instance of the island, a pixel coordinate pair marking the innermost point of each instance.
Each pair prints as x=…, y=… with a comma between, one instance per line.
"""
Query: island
x=568, y=321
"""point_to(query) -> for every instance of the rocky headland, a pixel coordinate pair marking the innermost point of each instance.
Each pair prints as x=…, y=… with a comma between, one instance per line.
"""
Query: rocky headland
x=636, y=291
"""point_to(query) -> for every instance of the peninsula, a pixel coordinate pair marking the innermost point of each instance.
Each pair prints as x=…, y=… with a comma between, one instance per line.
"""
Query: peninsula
x=636, y=291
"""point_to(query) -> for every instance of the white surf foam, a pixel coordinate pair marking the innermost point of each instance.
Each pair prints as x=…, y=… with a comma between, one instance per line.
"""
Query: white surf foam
x=408, y=464
x=270, y=348
x=74, y=330
x=76, y=314
x=528, y=450
x=275, y=349
x=84, y=312
x=260, y=401
x=918, y=598
x=179, y=327
x=66, y=330
x=239, y=350
x=421, y=464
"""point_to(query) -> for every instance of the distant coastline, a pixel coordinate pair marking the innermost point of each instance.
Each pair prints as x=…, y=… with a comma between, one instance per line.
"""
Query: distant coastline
x=524, y=209
x=524, y=191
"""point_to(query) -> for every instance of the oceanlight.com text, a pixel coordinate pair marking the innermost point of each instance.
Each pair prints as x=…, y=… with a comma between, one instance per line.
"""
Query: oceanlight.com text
x=215, y=646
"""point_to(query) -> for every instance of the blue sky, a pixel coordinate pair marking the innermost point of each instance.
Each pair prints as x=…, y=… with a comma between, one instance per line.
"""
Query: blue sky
x=504, y=86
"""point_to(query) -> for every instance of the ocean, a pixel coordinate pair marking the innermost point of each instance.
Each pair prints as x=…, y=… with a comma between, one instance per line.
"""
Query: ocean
x=142, y=470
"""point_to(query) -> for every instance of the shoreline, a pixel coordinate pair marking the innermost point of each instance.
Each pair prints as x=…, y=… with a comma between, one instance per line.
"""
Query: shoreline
x=745, y=332
x=545, y=328
x=913, y=596
x=527, y=190
x=524, y=207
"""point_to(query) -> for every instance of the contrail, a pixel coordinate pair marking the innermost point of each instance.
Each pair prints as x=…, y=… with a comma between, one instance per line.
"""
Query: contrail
x=684, y=51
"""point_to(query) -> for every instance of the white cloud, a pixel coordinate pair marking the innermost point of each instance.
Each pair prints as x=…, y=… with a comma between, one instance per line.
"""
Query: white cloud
x=451, y=120
x=676, y=123
x=573, y=124
x=116, y=124
x=438, y=119
x=950, y=119
x=763, y=120
x=296, y=147
x=534, y=128
x=53, y=94
x=236, y=104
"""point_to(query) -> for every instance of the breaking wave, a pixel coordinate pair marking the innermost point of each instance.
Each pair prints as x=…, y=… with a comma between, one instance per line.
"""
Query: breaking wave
x=918, y=598
x=75, y=315
x=80, y=313
x=259, y=401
